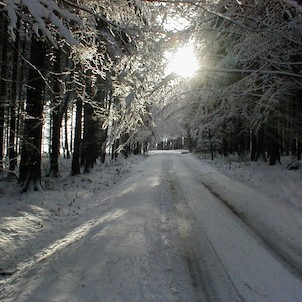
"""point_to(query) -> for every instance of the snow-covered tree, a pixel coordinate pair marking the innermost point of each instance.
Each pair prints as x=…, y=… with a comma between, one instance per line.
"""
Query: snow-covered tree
x=250, y=66
x=98, y=57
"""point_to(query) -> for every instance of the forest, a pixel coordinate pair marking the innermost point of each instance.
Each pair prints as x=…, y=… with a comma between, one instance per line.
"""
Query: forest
x=81, y=79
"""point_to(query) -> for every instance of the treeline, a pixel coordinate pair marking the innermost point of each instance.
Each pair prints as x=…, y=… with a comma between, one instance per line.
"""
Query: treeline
x=171, y=144
x=247, y=98
x=69, y=82
x=81, y=77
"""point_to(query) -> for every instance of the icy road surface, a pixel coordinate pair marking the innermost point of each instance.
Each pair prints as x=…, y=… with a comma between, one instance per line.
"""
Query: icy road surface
x=175, y=230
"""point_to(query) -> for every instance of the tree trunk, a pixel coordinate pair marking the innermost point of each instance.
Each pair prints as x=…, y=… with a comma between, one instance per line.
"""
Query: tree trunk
x=242, y=141
x=57, y=116
x=3, y=53
x=89, y=144
x=30, y=165
x=75, y=165
x=10, y=102
x=253, y=147
x=103, y=139
x=261, y=145
x=115, y=146
x=25, y=46
x=55, y=143
x=224, y=146
x=16, y=76
x=189, y=140
x=66, y=143
x=71, y=128
x=103, y=96
x=60, y=105
x=273, y=145
x=125, y=143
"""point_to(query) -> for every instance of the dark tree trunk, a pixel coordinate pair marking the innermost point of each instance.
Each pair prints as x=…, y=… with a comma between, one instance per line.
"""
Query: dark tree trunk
x=146, y=144
x=124, y=141
x=71, y=129
x=258, y=146
x=89, y=143
x=3, y=53
x=242, y=141
x=12, y=154
x=60, y=105
x=261, y=145
x=12, y=151
x=30, y=165
x=273, y=152
x=25, y=46
x=254, y=147
x=66, y=143
x=10, y=103
x=293, y=146
x=137, y=148
x=57, y=116
x=103, y=97
x=103, y=139
x=55, y=143
x=75, y=166
x=93, y=132
x=189, y=140
x=115, y=146
x=224, y=147
x=273, y=145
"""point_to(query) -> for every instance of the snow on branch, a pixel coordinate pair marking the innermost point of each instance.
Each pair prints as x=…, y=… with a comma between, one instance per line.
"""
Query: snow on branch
x=246, y=71
x=294, y=4
x=42, y=14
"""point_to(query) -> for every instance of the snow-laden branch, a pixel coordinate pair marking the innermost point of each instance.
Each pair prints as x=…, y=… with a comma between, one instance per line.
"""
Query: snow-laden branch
x=294, y=4
x=247, y=71
x=90, y=11
x=42, y=15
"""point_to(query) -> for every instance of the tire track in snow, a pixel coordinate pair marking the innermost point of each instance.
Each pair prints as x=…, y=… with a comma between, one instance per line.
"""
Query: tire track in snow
x=271, y=245
x=210, y=280
x=289, y=263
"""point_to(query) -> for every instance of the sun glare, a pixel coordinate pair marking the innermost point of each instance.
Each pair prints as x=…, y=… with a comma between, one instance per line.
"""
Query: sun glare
x=183, y=62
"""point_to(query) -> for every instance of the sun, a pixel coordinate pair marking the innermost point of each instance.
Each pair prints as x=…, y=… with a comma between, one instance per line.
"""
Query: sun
x=183, y=62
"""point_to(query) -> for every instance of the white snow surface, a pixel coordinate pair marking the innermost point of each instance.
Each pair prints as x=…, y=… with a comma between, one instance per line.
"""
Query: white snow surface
x=164, y=227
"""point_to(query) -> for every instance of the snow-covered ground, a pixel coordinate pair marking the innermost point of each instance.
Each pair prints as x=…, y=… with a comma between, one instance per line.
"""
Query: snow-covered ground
x=166, y=227
x=30, y=221
x=276, y=181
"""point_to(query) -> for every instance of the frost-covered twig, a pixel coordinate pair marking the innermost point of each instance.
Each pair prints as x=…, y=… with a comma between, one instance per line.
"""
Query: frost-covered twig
x=39, y=72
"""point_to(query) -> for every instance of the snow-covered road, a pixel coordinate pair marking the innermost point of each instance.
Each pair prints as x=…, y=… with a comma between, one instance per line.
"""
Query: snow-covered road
x=175, y=230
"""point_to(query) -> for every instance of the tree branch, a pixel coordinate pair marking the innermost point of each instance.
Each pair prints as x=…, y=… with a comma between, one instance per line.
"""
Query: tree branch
x=250, y=71
x=87, y=10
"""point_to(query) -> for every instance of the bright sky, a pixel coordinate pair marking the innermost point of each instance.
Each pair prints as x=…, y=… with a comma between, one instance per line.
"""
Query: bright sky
x=183, y=61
